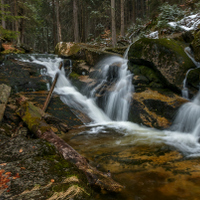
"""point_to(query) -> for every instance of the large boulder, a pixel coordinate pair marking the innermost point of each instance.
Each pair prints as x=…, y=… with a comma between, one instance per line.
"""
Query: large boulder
x=77, y=51
x=165, y=57
x=154, y=109
x=196, y=46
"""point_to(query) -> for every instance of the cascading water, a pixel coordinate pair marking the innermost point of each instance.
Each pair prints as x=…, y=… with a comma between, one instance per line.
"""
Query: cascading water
x=188, y=117
x=114, y=84
x=113, y=87
x=185, y=92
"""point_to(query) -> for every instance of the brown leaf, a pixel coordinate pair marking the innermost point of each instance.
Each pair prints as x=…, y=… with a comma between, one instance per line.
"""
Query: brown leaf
x=3, y=164
x=52, y=180
x=23, y=168
x=21, y=150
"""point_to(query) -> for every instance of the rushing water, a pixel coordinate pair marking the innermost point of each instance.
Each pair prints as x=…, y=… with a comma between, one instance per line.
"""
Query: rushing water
x=183, y=134
x=185, y=92
x=111, y=134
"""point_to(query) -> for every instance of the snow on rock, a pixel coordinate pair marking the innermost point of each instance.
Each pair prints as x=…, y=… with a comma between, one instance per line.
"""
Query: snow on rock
x=153, y=35
x=187, y=23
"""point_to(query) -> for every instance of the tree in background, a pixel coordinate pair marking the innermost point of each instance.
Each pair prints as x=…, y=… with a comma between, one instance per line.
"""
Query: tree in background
x=122, y=18
x=76, y=24
x=114, y=40
x=43, y=23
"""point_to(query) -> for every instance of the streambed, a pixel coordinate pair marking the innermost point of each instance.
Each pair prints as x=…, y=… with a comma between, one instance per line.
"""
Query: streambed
x=147, y=170
x=151, y=164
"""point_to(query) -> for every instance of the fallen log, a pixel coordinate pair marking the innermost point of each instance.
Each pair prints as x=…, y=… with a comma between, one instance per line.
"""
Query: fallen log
x=32, y=116
x=4, y=95
x=51, y=90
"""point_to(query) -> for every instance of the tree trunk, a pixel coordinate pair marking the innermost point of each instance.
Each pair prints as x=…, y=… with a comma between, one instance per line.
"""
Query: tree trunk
x=3, y=22
x=54, y=24
x=32, y=116
x=134, y=11
x=16, y=21
x=75, y=17
x=122, y=18
x=59, y=35
x=114, y=40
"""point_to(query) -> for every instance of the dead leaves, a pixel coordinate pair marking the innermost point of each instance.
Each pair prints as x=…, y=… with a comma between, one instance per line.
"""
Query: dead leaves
x=6, y=177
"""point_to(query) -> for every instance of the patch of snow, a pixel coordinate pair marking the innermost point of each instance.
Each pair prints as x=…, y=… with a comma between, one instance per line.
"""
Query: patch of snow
x=153, y=35
x=187, y=23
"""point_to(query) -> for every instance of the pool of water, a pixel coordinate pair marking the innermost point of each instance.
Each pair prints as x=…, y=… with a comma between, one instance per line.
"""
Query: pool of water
x=147, y=168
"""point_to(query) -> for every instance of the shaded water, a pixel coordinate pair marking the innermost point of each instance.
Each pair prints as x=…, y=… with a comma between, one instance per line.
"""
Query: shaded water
x=149, y=163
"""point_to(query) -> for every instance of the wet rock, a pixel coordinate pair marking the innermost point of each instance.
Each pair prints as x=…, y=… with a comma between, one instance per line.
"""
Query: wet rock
x=196, y=46
x=23, y=76
x=5, y=93
x=154, y=109
x=78, y=51
x=165, y=57
x=193, y=80
x=188, y=36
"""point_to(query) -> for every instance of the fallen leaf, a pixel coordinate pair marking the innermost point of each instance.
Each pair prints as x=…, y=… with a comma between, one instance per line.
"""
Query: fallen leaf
x=8, y=173
x=52, y=180
x=3, y=164
x=23, y=168
x=21, y=150
x=16, y=176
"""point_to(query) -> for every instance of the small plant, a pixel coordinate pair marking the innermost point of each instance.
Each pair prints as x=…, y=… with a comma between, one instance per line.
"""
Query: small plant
x=7, y=34
x=170, y=13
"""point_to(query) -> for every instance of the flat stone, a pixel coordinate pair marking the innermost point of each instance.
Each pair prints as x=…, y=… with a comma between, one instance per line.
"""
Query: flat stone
x=5, y=93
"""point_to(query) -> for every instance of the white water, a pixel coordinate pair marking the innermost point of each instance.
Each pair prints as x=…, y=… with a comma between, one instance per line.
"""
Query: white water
x=185, y=132
x=185, y=92
x=113, y=71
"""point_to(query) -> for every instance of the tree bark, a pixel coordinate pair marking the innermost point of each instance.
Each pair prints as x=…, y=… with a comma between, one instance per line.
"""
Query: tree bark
x=75, y=17
x=3, y=22
x=51, y=90
x=32, y=116
x=59, y=35
x=54, y=24
x=114, y=40
x=122, y=18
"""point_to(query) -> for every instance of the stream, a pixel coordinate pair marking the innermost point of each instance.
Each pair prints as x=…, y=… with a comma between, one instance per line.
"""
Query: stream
x=151, y=164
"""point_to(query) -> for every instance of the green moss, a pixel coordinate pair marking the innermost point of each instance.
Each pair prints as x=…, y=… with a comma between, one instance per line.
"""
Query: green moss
x=74, y=75
x=196, y=46
x=167, y=48
x=32, y=118
x=74, y=49
x=15, y=51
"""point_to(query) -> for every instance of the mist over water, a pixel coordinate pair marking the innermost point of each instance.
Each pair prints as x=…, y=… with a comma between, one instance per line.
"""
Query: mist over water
x=112, y=73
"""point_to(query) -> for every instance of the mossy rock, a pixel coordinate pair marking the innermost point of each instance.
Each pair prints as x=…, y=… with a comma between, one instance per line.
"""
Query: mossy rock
x=166, y=57
x=193, y=81
x=196, y=46
x=144, y=77
x=79, y=51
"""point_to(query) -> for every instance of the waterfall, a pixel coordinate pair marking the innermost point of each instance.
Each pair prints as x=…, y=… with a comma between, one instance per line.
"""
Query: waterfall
x=189, y=53
x=114, y=87
x=188, y=116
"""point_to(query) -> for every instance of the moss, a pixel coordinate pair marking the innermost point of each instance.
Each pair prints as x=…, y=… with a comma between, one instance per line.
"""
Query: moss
x=74, y=75
x=196, y=46
x=15, y=51
x=32, y=117
x=165, y=47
